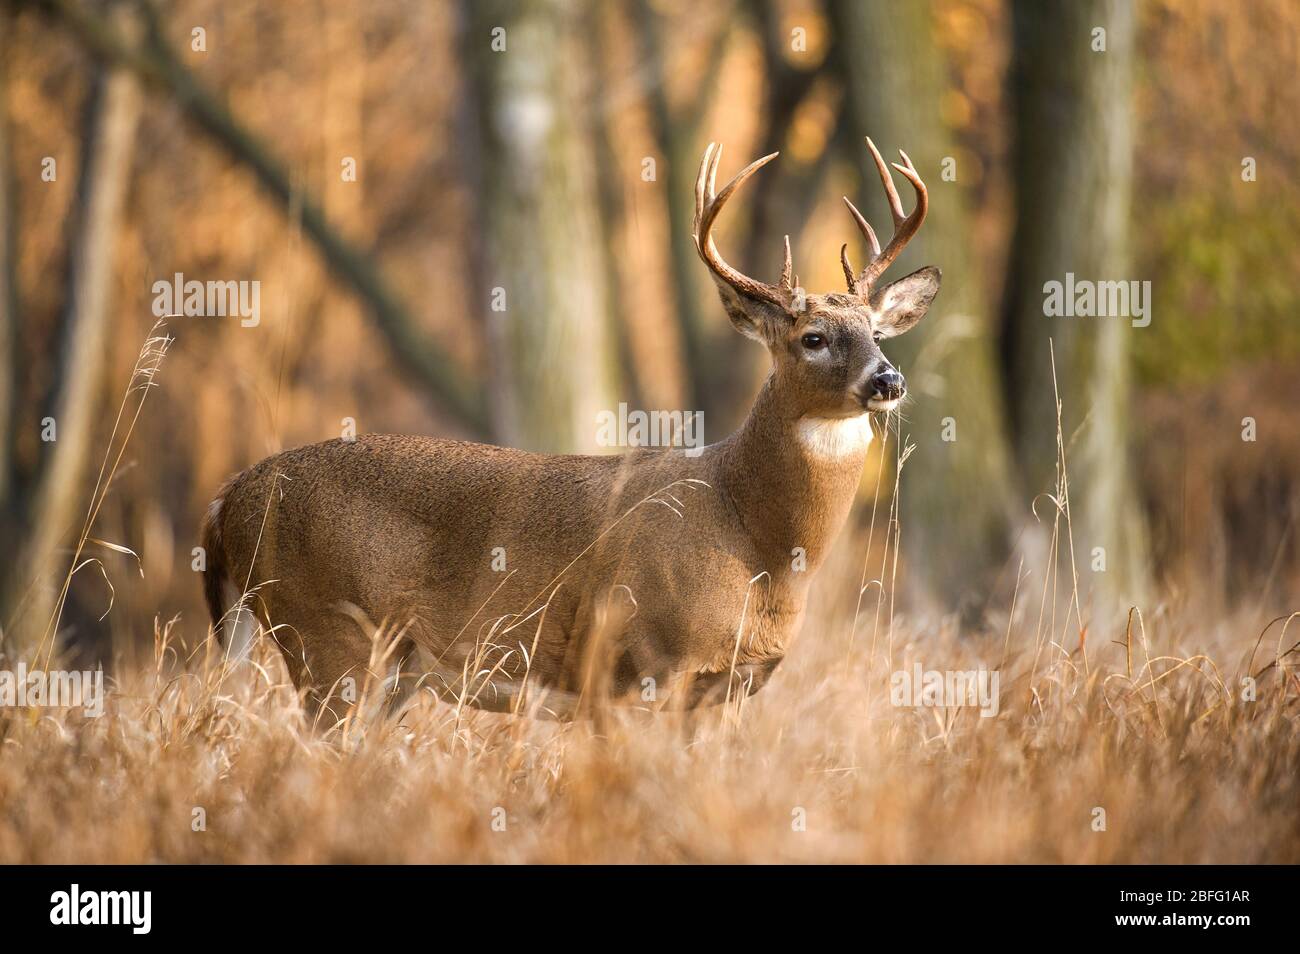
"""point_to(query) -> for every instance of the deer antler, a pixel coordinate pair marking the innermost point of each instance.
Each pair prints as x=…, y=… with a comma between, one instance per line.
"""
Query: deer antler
x=708, y=203
x=905, y=226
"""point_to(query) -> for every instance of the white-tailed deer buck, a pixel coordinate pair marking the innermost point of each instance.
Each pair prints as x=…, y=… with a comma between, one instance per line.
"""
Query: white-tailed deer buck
x=650, y=576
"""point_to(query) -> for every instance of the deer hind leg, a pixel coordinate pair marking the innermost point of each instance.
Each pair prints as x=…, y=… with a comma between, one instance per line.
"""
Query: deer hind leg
x=328, y=658
x=238, y=627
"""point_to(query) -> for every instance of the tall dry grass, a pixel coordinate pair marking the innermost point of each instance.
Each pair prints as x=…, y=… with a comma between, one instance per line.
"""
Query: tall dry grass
x=1154, y=732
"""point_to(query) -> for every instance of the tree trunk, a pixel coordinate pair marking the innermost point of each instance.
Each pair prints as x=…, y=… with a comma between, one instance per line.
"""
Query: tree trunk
x=57, y=500
x=1073, y=164
x=8, y=283
x=955, y=502
x=547, y=300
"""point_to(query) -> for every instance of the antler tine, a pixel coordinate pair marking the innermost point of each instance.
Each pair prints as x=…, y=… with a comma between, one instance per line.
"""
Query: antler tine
x=905, y=226
x=867, y=231
x=848, y=267
x=701, y=181
x=713, y=172
x=708, y=203
x=895, y=204
x=787, y=269
x=869, y=234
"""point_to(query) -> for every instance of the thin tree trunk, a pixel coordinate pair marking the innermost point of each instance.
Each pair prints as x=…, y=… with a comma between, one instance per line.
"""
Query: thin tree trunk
x=1074, y=170
x=500, y=389
x=955, y=500
x=787, y=196
x=677, y=135
x=9, y=300
x=59, y=495
x=539, y=197
x=611, y=208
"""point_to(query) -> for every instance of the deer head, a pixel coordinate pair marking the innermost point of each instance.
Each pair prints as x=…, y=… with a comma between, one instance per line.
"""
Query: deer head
x=825, y=348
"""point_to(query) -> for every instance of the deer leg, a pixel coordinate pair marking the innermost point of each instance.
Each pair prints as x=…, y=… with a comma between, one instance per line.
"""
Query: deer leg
x=403, y=676
x=328, y=660
x=714, y=688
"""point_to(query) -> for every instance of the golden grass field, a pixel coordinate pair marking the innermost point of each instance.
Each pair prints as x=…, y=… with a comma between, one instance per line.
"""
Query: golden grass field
x=818, y=767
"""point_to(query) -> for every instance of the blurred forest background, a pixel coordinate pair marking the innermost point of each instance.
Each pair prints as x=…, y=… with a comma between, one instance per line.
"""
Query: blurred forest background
x=215, y=140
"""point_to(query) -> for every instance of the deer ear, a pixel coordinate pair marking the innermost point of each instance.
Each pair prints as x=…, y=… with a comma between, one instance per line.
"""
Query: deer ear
x=750, y=317
x=901, y=304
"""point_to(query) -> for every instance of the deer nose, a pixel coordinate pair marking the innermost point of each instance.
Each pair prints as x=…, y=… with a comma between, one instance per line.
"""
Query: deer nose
x=889, y=384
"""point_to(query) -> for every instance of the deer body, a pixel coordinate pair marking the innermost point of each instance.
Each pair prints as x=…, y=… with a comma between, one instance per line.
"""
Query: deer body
x=673, y=578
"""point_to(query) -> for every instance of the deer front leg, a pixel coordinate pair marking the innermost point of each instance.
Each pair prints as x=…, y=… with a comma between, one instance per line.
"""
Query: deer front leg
x=715, y=688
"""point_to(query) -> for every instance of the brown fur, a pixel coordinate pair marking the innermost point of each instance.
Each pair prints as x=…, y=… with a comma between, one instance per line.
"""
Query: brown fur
x=654, y=565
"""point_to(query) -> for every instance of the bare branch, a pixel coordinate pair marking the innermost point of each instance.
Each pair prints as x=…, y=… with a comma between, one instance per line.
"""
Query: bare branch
x=159, y=69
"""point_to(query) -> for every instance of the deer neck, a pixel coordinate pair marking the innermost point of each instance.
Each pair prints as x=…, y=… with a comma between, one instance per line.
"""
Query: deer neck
x=792, y=478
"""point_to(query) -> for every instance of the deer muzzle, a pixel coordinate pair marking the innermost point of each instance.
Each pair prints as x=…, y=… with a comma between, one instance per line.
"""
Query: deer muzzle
x=887, y=389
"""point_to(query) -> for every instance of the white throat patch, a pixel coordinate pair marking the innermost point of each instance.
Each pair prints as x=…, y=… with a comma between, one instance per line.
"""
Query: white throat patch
x=832, y=438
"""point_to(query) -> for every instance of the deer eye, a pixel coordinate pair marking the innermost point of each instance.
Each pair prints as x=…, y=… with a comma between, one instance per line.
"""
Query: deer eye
x=877, y=337
x=813, y=341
